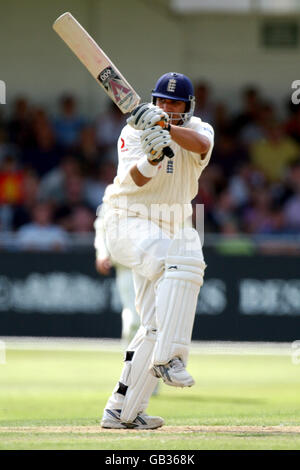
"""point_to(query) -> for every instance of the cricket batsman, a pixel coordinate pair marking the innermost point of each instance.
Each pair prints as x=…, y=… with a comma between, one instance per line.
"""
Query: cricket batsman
x=148, y=206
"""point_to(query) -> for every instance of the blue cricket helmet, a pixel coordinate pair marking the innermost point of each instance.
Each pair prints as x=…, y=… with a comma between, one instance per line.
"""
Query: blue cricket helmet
x=176, y=86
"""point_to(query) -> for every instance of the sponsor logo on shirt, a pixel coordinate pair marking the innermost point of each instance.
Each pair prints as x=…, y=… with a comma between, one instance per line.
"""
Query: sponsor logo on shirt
x=123, y=148
x=207, y=129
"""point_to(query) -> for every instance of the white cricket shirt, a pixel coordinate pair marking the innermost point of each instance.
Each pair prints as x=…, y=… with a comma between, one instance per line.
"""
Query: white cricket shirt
x=174, y=186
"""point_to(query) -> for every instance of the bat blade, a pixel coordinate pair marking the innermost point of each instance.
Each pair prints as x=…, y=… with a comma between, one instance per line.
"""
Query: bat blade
x=97, y=62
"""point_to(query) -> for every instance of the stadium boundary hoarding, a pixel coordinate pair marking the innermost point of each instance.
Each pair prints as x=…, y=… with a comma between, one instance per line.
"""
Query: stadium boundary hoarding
x=244, y=298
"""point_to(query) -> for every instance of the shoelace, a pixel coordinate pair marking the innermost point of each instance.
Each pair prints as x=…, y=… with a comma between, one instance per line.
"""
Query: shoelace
x=176, y=364
x=140, y=414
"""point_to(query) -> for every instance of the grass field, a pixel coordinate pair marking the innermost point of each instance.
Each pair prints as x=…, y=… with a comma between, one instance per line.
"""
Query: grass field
x=53, y=399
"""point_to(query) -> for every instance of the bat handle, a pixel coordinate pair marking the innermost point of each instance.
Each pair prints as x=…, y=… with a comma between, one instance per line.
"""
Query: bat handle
x=168, y=152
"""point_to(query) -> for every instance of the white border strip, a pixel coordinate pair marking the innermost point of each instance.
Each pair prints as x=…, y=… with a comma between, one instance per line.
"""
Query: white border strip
x=107, y=344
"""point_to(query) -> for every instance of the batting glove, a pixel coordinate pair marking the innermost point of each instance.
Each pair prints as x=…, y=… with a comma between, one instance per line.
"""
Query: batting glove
x=153, y=141
x=147, y=115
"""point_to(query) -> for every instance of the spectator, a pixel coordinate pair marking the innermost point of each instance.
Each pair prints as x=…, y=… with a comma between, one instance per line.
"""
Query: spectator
x=274, y=153
x=211, y=185
x=287, y=186
x=228, y=153
x=44, y=154
x=41, y=234
x=244, y=181
x=52, y=186
x=108, y=129
x=256, y=130
x=75, y=193
x=204, y=106
x=221, y=119
x=11, y=190
x=292, y=206
x=108, y=172
x=11, y=181
x=292, y=212
x=22, y=212
x=7, y=147
x=239, y=186
x=292, y=125
x=278, y=223
x=251, y=103
x=87, y=150
x=257, y=217
x=19, y=126
x=82, y=220
x=224, y=210
x=95, y=186
x=68, y=124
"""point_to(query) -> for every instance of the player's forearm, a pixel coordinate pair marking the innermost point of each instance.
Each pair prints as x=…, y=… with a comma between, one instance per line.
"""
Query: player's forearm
x=138, y=178
x=190, y=139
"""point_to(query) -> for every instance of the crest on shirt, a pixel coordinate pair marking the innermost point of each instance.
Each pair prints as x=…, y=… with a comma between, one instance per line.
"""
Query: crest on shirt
x=170, y=166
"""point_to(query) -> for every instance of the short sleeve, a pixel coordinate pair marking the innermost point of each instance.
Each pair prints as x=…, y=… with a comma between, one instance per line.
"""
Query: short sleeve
x=129, y=151
x=207, y=130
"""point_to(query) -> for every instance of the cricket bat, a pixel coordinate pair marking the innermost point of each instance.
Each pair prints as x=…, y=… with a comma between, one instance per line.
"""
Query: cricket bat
x=97, y=62
x=99, y=65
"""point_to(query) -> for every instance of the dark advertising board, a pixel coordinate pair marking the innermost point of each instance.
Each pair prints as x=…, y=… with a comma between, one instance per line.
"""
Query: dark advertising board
x=245, y=298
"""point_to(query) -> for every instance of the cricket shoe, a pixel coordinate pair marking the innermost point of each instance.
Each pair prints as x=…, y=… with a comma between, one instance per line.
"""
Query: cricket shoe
x=173, y=373
x=111, y=420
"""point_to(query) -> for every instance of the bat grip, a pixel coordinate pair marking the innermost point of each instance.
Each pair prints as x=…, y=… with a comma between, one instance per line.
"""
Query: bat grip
x=168, y=152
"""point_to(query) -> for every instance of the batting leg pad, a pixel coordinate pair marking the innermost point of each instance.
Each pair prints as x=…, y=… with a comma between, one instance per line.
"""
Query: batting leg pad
x=136, y=384
x=176, y=297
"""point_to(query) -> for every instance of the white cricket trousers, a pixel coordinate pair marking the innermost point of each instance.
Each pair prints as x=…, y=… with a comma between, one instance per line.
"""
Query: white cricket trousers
x=130, y=317
x=140, y=245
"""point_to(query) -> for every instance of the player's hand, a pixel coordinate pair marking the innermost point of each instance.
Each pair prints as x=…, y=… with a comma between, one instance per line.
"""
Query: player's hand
x=147, y=115
x=103, y=266
x=153, y=141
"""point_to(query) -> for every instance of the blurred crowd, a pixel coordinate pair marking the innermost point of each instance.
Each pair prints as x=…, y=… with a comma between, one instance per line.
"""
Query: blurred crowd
x=252, y=184
x=54, y=169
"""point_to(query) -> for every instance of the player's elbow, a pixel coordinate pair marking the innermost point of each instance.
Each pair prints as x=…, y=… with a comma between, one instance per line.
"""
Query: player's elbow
x=204, y=145
x=139, y=184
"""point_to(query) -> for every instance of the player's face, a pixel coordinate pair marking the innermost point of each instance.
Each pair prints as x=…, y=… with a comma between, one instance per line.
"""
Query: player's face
x=172, y=107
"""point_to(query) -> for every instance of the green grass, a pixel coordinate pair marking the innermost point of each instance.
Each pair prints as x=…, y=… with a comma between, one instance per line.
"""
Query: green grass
x=55, y=388
x=148, y=441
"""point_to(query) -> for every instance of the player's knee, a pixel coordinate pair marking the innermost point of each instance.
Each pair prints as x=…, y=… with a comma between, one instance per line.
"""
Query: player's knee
x=184, y=260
